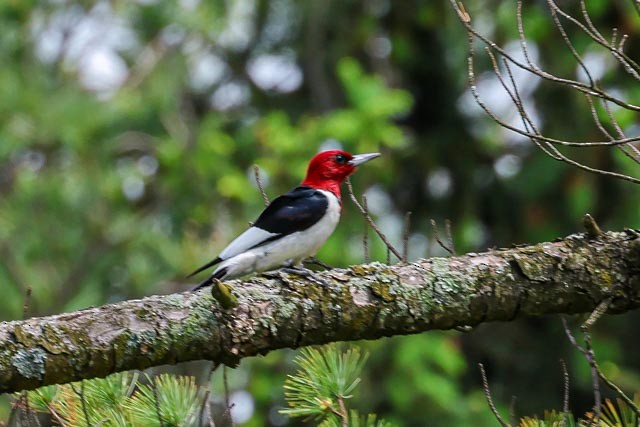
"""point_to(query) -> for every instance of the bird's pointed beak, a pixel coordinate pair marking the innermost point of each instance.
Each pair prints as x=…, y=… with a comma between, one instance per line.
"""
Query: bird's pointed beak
x=359, y=159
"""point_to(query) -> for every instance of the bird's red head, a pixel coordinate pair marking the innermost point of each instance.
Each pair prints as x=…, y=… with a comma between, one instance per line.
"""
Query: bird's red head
x=328, y=169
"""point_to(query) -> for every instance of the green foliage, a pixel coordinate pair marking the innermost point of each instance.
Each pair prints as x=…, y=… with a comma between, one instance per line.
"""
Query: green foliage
x=621, y=415
x=551, y=419
x=120, y=401
x=612, y=415
x=41, y=399
x=176, y=399
x=356, y=420
x=327, y=377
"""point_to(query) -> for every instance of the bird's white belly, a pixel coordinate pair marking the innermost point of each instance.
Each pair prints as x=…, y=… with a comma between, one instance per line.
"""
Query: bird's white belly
x=291, y=248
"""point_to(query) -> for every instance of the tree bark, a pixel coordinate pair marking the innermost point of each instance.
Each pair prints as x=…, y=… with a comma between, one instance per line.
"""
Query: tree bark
x=570, y=275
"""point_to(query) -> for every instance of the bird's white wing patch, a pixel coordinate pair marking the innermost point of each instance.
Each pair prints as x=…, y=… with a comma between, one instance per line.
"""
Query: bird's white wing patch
x=247, y=240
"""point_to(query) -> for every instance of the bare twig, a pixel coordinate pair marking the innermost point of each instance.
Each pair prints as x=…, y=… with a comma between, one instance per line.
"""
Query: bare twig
x=205, y=401
x=405, y=237
x=512, y=410
x=447, y=230
x=56, y=416
x=592, y=227
x=83, y=401
x=209, y=414
x=227, y=402
x=596, y=314
x=203, y=407
x=436, y=235
x=589, y=89
x=256, y=174
x=570, y=45
x=365, y=234
x=24, y=410
x=487, y=395
x=343, y=412
x=590, y=357
x=565, y=397
x=371, y=222
x=27, y=302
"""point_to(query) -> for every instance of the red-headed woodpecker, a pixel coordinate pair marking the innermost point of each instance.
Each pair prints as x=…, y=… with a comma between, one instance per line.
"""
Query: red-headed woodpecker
x=295, y=225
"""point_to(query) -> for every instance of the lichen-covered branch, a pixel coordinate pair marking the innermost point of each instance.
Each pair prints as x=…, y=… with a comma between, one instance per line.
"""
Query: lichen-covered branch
x=572, y=275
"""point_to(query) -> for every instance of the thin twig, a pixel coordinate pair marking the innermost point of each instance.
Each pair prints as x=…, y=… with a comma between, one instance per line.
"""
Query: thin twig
x=371, y=222
x=25, y=411
x=405, y=237
x=203, y=407
x=227, y=402
x=535, y=137
x=512, y=410
x=256, y=174
x=436, y=235
x=565, y=397
x=634, y=155
x=570, y=46
x=448, y=232
x=205, y=402
x=589, y=89
x=209, y=414
x=596, y=314
x=83, y=401
x=487, y=394
x=343, y=412
x=577, y=85
x=590, y=357
x=365, y=234
x=27, y=303
x=56, y=416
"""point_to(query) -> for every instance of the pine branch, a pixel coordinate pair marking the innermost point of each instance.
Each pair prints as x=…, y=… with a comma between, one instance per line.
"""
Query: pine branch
x=571, y=275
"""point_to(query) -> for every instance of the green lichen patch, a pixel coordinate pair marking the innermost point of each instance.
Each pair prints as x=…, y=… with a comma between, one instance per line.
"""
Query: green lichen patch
x=382, y=291
x=53, y=340
x=536, y=266
x=25, y=335
x=366, y=269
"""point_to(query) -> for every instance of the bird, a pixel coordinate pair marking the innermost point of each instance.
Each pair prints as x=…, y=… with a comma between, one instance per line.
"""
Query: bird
x=293, y=226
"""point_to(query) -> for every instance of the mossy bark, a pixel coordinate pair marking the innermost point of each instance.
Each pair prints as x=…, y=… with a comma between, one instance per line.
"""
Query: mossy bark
x=571, y=275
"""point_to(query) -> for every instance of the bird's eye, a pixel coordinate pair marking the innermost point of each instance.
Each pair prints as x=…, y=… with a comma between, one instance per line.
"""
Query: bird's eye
x=341, y=159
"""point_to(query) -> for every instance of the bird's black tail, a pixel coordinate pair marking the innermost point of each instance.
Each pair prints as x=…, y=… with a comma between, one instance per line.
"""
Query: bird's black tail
x=209, y=280
x=204, y=267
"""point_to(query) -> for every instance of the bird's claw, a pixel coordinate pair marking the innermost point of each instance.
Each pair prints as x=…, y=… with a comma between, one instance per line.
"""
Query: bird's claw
x=316, y=261
x=305, y=272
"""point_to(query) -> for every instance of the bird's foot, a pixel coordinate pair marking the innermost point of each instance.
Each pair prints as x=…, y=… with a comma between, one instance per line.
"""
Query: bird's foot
x=305, y=272
x=278, y=275
x=316, y=261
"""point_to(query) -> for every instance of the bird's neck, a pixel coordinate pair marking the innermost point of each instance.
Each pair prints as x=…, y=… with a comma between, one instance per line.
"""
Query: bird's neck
x=328, y=185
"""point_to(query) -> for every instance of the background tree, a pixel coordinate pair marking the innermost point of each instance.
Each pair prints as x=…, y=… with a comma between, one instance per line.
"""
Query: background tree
x=129, y=130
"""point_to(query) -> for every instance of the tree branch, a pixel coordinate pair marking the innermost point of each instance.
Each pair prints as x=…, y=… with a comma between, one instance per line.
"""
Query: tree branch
x=571, y=275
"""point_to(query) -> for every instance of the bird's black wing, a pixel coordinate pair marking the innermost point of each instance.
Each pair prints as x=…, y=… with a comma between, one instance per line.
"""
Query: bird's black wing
x=294, y=211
